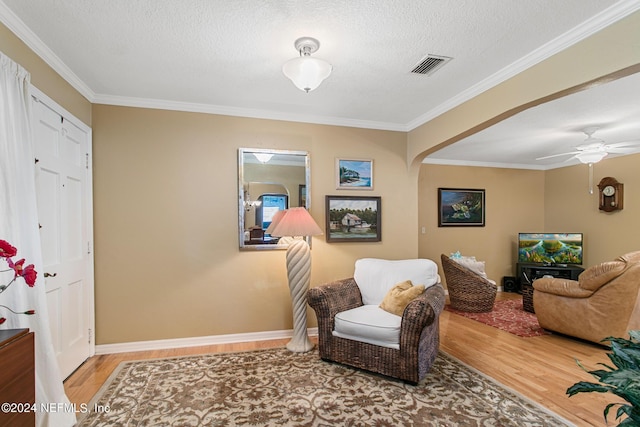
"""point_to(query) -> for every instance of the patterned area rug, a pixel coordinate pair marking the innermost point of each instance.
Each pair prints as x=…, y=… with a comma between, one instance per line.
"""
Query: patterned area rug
x=279, y=388
x=507, y=315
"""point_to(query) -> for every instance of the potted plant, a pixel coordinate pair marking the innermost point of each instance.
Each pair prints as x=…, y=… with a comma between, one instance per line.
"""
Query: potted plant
x=622, y=379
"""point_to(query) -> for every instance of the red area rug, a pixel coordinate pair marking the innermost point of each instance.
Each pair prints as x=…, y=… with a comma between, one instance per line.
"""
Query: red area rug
x=509, y=316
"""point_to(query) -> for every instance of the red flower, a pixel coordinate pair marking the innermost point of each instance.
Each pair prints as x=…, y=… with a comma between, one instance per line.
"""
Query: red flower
x=16, y=266
x=29, y=274
x=6, y=250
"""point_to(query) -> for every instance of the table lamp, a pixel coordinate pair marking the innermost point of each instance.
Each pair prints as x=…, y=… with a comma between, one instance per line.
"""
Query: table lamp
x=297, y=222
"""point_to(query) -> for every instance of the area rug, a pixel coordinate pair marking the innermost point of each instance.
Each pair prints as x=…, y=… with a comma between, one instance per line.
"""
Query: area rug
x=509, y=316
x=279, y=388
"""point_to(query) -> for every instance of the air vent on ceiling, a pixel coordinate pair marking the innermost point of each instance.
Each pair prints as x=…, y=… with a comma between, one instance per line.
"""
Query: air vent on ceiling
x=430, y=64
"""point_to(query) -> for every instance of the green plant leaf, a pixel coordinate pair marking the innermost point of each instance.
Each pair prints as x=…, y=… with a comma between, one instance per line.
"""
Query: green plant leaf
x=622, y=379
x=587, y=387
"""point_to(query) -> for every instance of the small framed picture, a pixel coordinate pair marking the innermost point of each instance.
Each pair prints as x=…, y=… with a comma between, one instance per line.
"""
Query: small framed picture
x=460, y=207
x=353, y=219
x=354, y=174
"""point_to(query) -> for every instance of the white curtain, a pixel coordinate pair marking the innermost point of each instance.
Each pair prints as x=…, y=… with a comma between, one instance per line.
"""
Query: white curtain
x=19, y=226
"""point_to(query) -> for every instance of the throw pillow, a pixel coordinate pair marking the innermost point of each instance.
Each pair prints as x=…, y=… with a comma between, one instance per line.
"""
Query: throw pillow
x=400, y=296
x=472, y=264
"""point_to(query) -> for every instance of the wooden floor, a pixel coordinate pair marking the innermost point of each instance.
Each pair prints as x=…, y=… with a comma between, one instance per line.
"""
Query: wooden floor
x=540, y=368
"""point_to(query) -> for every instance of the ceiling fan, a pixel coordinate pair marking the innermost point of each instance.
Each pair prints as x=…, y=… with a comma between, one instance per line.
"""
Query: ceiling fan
x=593, y=149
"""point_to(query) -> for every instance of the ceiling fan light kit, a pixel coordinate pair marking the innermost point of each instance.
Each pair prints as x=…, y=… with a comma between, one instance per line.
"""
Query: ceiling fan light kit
x=593, y=149
x=591, y=157
x=306, y=72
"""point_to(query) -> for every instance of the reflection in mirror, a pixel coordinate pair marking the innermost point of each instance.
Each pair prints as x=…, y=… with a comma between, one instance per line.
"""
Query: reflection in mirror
x=269, y=181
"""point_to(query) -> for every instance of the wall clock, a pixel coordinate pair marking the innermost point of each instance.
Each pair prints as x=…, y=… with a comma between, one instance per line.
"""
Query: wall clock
x=611, y=194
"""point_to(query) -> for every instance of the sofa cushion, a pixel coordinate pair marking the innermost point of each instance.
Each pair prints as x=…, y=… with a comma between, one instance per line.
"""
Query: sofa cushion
x=370, y=324
x=400, y=296
x=375, y=277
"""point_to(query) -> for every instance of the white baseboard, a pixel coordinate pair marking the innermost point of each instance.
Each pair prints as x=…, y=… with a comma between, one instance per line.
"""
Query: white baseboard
x=196, y=341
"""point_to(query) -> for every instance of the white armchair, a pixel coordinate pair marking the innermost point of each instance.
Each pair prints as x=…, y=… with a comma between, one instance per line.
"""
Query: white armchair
x=353, y=329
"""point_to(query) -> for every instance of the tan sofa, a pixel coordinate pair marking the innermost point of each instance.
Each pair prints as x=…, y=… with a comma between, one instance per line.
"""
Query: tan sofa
x=603, y=302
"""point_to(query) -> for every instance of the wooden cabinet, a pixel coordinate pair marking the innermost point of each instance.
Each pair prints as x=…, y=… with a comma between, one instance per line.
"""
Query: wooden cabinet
x=527, y=273
x=17, y=378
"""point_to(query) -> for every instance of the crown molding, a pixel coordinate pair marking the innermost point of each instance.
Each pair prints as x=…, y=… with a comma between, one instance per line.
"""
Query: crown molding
x=24, y=33
x=242, y=112
x=471, y=163
x=609, y=16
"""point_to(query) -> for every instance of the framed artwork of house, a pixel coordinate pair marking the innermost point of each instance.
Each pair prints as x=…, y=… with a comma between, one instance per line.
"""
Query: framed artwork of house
x=354, y=174
x=353, y=219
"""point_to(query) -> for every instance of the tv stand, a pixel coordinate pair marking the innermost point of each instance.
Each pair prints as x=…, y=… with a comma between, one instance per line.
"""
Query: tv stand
x=528, y=272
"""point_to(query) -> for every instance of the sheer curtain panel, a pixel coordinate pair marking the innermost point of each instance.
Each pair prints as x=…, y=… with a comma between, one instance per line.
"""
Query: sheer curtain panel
x=19, y=226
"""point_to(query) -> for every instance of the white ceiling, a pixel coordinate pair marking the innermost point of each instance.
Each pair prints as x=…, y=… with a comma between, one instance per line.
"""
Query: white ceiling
x=225, y=57
x=553, y=128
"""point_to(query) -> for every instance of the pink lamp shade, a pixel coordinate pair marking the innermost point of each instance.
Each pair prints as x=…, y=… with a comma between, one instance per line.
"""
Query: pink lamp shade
x=293, y=222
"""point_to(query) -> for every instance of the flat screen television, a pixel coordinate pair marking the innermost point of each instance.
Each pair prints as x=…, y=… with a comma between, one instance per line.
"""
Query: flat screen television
x=550, y=248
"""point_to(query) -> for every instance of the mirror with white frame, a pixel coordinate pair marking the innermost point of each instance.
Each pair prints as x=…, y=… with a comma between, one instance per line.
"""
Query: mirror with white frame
x=269, y=181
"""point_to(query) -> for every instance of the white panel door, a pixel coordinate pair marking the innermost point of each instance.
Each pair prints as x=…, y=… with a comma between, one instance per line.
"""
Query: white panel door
x=64, y=207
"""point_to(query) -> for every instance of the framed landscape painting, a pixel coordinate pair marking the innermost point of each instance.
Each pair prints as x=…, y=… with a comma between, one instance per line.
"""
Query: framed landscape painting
x=460, y=207
x=353, y=219
x=354, y=174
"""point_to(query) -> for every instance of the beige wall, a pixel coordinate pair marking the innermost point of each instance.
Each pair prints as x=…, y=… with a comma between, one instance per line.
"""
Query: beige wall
x=166, y=236
x=515, y=203
x=569, y=206
x=43, y=77
x=166, y=249
x=556, y=200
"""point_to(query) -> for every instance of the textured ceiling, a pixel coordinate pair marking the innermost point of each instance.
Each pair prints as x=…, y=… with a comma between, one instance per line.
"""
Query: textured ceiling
x=225, y=57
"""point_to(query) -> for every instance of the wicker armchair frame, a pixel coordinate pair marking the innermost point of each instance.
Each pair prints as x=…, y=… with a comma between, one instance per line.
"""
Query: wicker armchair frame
x=468, y=291
x=419, y=332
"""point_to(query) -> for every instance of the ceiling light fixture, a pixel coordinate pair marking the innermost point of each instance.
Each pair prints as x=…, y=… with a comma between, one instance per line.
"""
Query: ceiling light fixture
x=306, y=72
x=263, y=157
x=591, y=156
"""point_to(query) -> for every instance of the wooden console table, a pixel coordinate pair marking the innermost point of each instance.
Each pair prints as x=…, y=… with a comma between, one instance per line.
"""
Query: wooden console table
x=17, y=378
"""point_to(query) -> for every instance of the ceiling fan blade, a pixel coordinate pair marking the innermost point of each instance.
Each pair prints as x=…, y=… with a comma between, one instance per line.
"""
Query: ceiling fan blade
x=623, y=150
x=630, y=143
x=558, y=155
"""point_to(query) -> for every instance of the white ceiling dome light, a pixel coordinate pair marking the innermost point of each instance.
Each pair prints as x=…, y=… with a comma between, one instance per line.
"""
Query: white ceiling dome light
x=263, y=157
x=592, y=149
x=306, y=72
x=591, y=156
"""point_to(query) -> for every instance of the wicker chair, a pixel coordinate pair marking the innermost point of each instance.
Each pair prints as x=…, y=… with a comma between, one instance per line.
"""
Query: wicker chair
x=468, y=291
x=419, y=332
